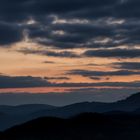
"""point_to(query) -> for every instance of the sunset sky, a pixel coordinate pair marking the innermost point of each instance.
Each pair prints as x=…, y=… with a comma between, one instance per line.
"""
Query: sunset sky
x=76, y=46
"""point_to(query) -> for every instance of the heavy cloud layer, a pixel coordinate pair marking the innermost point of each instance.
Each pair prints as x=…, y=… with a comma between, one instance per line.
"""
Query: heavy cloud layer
x=71, y=24
x=28, y=81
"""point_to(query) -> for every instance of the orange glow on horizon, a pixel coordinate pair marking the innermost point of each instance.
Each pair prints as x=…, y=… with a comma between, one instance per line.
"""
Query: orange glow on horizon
x=46, y=90
x=14, y=63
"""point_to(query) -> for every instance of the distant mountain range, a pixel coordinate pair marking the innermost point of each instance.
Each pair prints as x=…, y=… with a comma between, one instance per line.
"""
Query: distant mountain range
x=13, y=115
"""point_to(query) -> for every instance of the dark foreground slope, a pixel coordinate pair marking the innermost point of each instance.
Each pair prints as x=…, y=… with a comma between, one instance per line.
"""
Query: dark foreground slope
x=83, y=127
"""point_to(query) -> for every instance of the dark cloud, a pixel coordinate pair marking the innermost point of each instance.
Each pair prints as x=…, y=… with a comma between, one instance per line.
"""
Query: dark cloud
x=133, y=84
x=78, y=8
x=119, y=53
x=56, y=78
x=49, y=62
x=29, y=81
x=127, y=65
x=70, y=24
x=104, y=32
x=68, y=54
x=105, y=53
x=21, y=81
x=10, y=33
x=89, y=73
x=25, y=8
x=62, y=54
x=95, y=78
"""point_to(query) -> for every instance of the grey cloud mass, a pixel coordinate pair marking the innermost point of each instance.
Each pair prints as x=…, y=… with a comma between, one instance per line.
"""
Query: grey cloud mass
x=127, y=65
x=72, y=24
x=9, y=33
x=22, y=81
x=118, y=53
x=56, y=78
x=89, y=73
x=103, y=53
x=28, y=81
x=46, y=52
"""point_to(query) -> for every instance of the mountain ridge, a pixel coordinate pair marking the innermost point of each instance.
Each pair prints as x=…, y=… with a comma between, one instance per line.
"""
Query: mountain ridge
x=10, y=116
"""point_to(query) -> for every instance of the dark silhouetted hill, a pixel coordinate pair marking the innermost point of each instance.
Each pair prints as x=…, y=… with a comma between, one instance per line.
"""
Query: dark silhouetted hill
x=86, y=126
x=12, y=115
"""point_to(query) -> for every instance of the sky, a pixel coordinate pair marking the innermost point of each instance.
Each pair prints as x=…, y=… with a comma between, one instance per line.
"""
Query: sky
x=86, y=50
